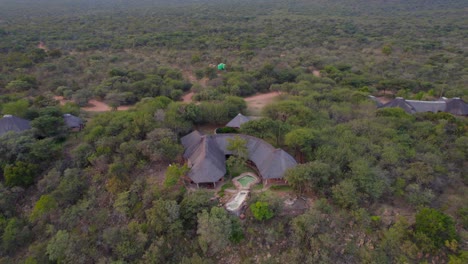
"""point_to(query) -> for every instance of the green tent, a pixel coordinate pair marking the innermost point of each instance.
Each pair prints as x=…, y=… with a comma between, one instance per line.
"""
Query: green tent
x=221, y=66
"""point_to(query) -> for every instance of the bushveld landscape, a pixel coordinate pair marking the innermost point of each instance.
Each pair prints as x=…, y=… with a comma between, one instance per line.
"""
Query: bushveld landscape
x=372, y=185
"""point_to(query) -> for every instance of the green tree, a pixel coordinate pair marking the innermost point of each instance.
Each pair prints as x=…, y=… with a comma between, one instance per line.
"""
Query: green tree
x=70, y=188
x=173, y=174
x=367, y=179
x=163, y=217
x=313, y=176
x=238, y=147
x=387, y=49
x=18, y=86
x=302, y=140
x=15, y=234
x=58, y=245
x=436, y=226
x=49, y=126
x=345, y=194
x=160, y=145
x=44, y=205
x=20, y=174
x=261, y=211
x=262, y=128
x=17, y=108
x=396, y=242
x=214, y=230
x=192, y=204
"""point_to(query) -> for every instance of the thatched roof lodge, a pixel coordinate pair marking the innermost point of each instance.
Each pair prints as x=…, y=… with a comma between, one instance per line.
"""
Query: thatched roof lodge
x=206, y=157
x=12, y=123
x=73, y=122
x=455, y=106
x=238, y=120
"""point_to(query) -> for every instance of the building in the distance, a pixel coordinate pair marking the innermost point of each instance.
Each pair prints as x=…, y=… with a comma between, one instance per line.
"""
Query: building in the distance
x=12, y=123
x=73, y=122
x=455, y=106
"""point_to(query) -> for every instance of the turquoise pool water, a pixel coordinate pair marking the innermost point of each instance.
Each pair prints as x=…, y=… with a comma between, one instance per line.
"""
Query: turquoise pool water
x=246, y=180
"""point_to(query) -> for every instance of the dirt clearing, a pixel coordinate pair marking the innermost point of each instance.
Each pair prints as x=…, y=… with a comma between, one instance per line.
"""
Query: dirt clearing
x=187, y=98
x=256, y=103
x=93, y=105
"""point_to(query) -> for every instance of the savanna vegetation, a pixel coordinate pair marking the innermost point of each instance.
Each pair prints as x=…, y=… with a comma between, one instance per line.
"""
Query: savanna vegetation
x=384, y=186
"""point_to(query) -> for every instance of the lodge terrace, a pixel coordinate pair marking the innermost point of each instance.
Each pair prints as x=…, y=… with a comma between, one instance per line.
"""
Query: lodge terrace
x=206, y=158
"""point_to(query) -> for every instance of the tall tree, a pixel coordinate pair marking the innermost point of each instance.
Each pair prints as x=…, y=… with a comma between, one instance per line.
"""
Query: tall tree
x=214, y=230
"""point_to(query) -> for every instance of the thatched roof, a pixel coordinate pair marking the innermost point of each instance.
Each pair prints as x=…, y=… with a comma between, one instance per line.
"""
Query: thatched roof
x=237, y=121
x=13, y=123
x=190, y=143
x=401, y=103
x=276, y=164
x=207, y=163
x=72, y=121
x=427, y=106
x=206, y=156
x=454, y=106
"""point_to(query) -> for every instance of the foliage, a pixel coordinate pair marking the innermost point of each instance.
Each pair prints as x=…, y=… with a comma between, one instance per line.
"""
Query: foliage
x=313, y=176
x=173, y=174
x=238, y=147
x=194, y=203
x=19, y=174
x=49, y=126
x=18, y=108
x=56, y=249
x=14, y=235
x=226, y=130
x=214, y=230
x=436, y=226
x=44, y=205
x=364, y=165
x=261, y=211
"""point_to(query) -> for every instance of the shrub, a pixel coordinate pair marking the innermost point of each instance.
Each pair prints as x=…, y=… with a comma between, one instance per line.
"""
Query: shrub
x=436, y=226
x=226, y=130
x=261, y=211
x=19, y=174
x=45, y=204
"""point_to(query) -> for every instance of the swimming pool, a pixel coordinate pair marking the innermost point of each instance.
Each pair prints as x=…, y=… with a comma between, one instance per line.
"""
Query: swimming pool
x=236, y=203
x=246, y=180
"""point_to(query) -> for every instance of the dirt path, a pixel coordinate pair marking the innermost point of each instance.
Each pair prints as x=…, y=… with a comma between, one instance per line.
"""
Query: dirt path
x=191, y=77
x=93, y=105
x=96, y=106
x=187, y=98
x=256, y=103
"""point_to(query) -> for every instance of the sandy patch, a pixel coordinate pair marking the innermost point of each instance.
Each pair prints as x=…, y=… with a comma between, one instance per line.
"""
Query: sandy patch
x=61, y=100
x=187, y=98
x=97, y=106
x=93, y=105
x=191, y=77
x=383, y=99
x=256, y=103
